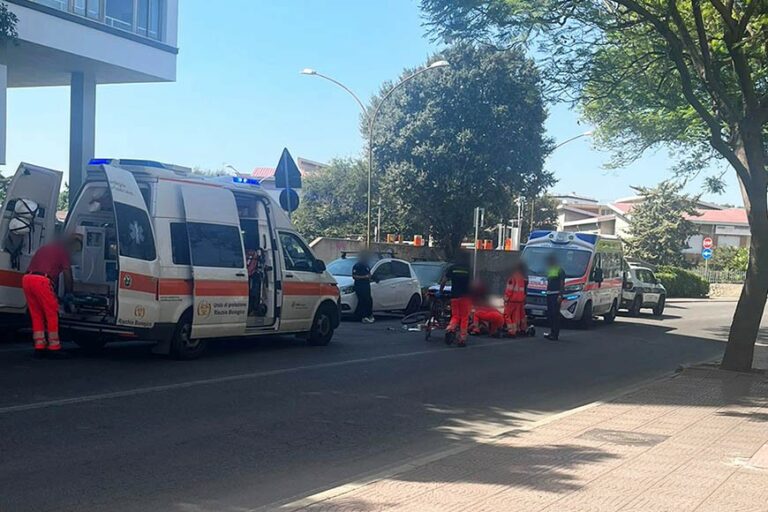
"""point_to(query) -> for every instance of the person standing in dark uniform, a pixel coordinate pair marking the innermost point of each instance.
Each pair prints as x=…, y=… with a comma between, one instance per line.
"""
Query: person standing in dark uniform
x=361, y=273
x=461, y=299
x=555, y=286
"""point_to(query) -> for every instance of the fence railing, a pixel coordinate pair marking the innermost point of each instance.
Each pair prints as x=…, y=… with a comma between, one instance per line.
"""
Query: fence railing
x=722, y=276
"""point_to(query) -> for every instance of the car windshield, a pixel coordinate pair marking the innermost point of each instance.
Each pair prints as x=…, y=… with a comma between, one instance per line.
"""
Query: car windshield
x=342, y=267
x=573, y=261
x=428, y=273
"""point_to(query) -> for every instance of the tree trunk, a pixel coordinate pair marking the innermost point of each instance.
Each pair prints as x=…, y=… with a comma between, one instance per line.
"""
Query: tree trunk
x=739, y=353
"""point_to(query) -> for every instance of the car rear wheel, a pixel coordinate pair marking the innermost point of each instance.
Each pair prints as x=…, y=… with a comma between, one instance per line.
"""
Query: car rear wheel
x=610, y=316
x=658, y=309
x=634, y=308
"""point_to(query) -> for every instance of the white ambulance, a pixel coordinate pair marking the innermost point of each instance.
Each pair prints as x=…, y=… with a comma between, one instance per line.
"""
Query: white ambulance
x=594, y=270
x=165, y=258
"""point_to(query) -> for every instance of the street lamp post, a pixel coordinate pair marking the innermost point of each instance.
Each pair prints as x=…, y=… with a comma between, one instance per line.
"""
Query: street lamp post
x=372, y=121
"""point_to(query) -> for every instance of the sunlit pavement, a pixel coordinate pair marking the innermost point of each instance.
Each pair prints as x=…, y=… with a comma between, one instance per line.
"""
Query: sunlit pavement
x=255, y=424
x=696, y=442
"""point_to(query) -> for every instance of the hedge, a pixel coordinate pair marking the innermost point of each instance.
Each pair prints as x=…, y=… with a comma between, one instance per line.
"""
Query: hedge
x=682, y=283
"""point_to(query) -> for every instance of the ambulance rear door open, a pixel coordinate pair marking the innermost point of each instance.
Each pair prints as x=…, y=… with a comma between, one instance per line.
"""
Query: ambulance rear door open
x=36, y=184
x=137, y=304
x=218, y=262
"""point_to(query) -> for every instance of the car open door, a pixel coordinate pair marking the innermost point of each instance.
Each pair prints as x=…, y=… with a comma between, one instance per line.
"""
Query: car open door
x=33, y=184
x=218, y=262
x=137, y=304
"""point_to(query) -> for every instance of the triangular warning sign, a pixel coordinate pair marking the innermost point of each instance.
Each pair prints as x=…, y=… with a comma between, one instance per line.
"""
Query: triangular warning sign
x=287, y=174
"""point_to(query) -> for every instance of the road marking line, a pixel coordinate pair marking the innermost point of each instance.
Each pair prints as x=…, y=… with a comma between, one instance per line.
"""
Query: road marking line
x=232, y=378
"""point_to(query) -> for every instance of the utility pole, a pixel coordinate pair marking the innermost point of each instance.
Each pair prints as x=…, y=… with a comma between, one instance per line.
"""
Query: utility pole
x=479, y=217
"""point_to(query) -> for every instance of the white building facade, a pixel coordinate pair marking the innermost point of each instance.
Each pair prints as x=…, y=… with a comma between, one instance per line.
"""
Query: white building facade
x=84, y=43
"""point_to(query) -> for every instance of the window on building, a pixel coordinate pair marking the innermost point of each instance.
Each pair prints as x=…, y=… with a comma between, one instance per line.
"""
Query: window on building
x=61, y=5
x=134, y=233
x=119, y=14
x=214, y=245
x=148, y=18
x=297, y=256
x=180, y=244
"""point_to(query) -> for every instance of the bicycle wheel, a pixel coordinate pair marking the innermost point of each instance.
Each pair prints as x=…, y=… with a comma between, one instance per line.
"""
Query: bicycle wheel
x=414, y=318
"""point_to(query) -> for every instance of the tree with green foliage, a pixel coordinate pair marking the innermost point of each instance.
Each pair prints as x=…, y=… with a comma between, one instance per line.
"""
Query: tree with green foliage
x=692, y=76
x=659, y=227
x=334, y=202
x=732, y=259
x=538, y=213
x=64, y=198
x=466, y=136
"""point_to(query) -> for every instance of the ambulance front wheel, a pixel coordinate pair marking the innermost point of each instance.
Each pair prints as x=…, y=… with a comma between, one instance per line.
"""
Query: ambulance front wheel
x=183, y=346
x=322, y=326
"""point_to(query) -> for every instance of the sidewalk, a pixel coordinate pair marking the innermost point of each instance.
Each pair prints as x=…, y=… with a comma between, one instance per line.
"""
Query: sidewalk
x=695, y=442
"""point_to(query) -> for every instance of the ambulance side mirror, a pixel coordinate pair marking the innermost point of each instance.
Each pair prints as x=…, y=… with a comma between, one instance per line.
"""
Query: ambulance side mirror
x=318, y=266
x=598, y=275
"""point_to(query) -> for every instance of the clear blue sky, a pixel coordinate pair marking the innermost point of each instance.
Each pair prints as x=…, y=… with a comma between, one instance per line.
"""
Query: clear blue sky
x=240, y=99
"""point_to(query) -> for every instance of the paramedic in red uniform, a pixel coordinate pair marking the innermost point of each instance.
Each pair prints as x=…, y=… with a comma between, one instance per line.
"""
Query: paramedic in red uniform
x=514, y=301
x=461, y=301
x=48, y=263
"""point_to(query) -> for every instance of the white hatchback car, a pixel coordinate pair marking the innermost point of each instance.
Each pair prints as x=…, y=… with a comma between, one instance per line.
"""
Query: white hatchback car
x=394, y=286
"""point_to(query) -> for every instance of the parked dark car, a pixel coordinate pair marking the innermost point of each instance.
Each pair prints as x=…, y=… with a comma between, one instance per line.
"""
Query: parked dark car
x=429, y=273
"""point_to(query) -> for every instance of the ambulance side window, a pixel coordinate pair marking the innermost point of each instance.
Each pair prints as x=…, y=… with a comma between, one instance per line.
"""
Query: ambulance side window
x=215, y=245
x=180, y=244
x=135, y=233
x=296, y=255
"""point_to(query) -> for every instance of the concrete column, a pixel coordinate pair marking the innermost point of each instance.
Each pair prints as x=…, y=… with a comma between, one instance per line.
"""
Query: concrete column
x=3, y=112
x=82, y=128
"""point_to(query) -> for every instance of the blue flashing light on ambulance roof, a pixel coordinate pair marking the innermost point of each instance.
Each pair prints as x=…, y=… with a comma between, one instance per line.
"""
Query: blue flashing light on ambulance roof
x=246, y=181
x=127, y=161
x=100, y=161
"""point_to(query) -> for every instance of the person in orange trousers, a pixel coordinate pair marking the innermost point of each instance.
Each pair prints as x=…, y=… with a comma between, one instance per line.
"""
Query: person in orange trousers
x=461, y=300
x=487, y=320
x=514, y=301
x=48, y=263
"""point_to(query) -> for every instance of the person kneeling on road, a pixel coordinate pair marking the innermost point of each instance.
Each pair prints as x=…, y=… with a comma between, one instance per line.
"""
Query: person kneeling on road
x=487, y=320
x=461, y=302
x=48, y=263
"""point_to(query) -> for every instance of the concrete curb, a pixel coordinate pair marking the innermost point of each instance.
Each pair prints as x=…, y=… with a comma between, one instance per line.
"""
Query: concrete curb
x=368, y=478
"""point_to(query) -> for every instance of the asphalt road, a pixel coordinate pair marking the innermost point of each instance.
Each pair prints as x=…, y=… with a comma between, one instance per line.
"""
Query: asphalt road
x=255, y=423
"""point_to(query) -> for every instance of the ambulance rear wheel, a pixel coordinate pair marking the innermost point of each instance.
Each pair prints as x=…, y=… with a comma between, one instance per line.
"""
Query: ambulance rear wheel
x=322, y=326
x=90, y=343
x=183, y=345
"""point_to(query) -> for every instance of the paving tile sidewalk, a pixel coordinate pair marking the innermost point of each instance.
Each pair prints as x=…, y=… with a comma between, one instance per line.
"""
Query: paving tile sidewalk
x=695, y=442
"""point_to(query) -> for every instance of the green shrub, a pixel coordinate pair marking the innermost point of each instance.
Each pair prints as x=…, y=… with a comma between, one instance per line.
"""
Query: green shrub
x=682, y=283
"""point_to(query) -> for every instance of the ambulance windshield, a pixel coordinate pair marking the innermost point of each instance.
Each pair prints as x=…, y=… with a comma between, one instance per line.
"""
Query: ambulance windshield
x=573, y=261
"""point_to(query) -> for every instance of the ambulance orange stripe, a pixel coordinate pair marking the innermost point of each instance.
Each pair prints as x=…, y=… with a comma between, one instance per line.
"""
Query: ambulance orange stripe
x=10, y=279
x=221, y=289
x=138, y=283
x=309, y=289
x=175, y=287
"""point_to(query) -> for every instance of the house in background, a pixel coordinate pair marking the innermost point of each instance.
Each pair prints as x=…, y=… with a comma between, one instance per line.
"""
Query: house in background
x=84, y=43
x=728, y=227
x=266, y=175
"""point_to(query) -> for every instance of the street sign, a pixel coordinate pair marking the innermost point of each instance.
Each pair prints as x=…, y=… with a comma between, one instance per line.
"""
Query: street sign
x=706, y=254
x=287, y=174
x=289, y=200
x=707, y=243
